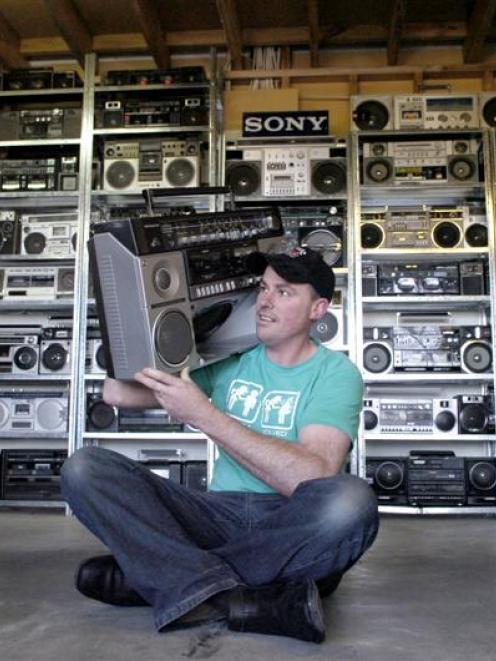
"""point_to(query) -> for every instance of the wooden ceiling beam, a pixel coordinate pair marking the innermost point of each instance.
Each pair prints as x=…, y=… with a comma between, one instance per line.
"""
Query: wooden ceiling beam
x=314, y=31
x=479, y=26
x=229, y=18
x=395, y=31
x=153, y=31
x=10, y=53
x=72, y=27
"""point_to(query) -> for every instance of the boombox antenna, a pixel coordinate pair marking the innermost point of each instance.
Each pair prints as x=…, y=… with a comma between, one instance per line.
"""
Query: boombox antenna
x=150, y=193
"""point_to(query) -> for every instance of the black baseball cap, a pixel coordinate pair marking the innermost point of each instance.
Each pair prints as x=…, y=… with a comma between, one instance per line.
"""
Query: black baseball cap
x=298, y=265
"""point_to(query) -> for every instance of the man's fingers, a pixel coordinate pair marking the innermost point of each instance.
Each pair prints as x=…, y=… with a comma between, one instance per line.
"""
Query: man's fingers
x=185, y=374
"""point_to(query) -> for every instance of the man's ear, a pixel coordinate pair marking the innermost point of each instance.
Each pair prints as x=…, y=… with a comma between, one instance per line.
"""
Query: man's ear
x=319, y=308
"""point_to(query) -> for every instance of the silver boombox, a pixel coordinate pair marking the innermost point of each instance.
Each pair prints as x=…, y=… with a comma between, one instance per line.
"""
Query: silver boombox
x=453, y=162
x=139, y=164
x=426, y=111
x=52, y=235
x=423, y=227
x=19, y=350
x=37, y=282
x=286, y=170
x=411, y=416
x=33, y=412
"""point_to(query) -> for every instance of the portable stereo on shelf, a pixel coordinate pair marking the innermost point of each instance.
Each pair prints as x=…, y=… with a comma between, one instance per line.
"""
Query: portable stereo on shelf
x=436, y=112
x=33, y=412
x=53, y=235
x=31, y=474
x=318, y=228
x=19, y=350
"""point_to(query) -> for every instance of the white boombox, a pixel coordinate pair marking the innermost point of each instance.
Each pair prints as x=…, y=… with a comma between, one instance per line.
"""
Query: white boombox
x=286, y=170
x=425, y=111
x=27, y=412
x=37, y=282
x=51, y=235
x=19, y=350
x=139, y=164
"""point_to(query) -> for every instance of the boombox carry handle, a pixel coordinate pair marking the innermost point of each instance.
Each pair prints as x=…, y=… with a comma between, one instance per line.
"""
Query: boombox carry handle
x=150, y=193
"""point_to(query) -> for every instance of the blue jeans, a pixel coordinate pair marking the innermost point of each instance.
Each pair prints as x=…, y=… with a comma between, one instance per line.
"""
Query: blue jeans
x=177, y=547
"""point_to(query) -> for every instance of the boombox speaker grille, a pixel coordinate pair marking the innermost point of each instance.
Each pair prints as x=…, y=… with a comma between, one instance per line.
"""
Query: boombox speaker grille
x=50, y=414
x=35, y=243
x=180, y=172
x=173, y=338
x=325, y=329
x=371, y=116
x=329, y=177
x=243, y=179
x=120, y=174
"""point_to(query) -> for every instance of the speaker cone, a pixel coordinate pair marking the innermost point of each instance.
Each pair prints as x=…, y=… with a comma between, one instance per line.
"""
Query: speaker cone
x=482, y=476
x=101, y=415
x=372, y=235
x=326, y=242
x=477, y=356
x=376, y=358
x=180, y=172
x=25, y=358
x=325, y=329
x=389, y=475
x=369, y=420
x=100, y=358
x=173, y=338
x=54, y=357
x=120, y=174
x=50, y=414
x=379, y=170
x=473, y=418
x=446, y=234
x=35, y=243
x=445, y=420
x=461, y=169
x=476, y=235
x=371, y=115
x=329, y=177
x=489, y=112
x=243, y=179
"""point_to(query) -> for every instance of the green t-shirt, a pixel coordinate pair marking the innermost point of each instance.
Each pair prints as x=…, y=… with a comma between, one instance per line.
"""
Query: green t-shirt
x=279, y=401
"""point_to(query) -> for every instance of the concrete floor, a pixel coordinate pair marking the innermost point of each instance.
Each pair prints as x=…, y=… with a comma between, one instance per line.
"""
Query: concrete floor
x=425, y=591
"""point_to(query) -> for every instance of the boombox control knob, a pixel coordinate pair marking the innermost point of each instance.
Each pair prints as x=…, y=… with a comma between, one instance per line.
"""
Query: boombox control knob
x=445, y=421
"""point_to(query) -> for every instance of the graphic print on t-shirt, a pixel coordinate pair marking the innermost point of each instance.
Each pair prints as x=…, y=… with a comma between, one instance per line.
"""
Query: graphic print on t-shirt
x=276, y=409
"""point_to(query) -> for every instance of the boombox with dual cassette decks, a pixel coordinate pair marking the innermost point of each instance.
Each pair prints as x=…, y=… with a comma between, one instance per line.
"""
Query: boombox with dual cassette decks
x=187, y=278
x=33, y=411
x=432, y=479
x=428, y=348
x=151, y=163
x=143, y=77
x=299, y=169
x=441, y=417
x=32, y=474
x=424, y=278
x=51, y=235
x=40, y=124
x=9, y=232
x=425, y=227
x=41, y=174
x=318, y=228
x=36, y=282
x=451, y=162
x=184, y=110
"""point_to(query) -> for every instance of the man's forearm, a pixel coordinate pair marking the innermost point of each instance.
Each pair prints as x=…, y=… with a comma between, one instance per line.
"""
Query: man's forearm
x=128, y=394
x=280, y=464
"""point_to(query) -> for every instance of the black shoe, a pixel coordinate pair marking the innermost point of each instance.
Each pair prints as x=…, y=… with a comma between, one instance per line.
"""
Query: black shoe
x=289, y=609
x=329, y=584
x=101, y=578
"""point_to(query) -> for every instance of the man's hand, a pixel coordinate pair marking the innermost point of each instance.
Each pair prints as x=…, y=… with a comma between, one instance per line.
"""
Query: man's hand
x=179, y=396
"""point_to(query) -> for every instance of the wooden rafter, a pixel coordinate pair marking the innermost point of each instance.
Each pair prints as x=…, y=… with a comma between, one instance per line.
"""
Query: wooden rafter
x=232, y=28
x=479, y=26
x=72, y=27
x=395, y=31
x=153, y=31
x=314, y=31
x=9, y=46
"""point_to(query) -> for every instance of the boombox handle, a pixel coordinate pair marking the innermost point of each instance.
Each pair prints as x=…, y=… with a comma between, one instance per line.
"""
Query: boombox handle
x=150, y=193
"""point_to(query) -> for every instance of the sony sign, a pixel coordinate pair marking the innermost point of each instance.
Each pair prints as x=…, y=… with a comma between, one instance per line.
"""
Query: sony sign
x=286, y=124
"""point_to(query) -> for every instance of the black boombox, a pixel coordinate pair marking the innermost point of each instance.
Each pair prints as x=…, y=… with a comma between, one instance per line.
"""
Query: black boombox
x=176, y=76
x=9, y=232
x=441, y=417
x=433, y=479
x=42, y=174
x=188, y=277
x=184, y=110
x=427, y=348
x=102, y=417
x=40, y=124
x=38, y=78
x=31, y=474
x=426, y=279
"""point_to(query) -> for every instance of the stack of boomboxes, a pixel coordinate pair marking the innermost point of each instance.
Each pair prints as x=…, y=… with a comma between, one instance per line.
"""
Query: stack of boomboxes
x=173, y=292
x=433, y=479
x=300, y=170
x=412, y=112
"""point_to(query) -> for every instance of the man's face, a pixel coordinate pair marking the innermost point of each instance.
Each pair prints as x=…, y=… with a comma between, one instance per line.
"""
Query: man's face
x=285, y=310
